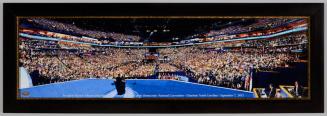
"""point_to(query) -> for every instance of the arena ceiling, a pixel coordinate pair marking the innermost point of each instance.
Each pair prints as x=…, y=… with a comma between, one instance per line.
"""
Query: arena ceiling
x=154, y=29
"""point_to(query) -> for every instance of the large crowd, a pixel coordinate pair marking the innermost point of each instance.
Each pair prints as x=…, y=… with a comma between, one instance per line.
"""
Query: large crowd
x=210, y=64
x=229, y=69
x=66, y=64
x=60, y=30
x=260, y=24
x=261, y=27
x=292, y=39
x=70, y=28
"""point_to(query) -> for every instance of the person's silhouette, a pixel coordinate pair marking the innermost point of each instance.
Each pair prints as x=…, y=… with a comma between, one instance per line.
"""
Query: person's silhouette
x=120, y=85
x=271, y=91
x=35, y=74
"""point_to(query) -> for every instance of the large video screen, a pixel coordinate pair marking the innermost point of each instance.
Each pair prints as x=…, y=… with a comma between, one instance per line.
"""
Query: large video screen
x=163, y=57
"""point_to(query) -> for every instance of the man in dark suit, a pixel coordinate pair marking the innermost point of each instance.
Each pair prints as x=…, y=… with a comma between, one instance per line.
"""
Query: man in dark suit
x=298, y=90
x=120, y=85
x=35, y=75
x=271, y=91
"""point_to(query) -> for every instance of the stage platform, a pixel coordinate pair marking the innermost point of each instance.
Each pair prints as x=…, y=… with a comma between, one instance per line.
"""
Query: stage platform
x=135, y=88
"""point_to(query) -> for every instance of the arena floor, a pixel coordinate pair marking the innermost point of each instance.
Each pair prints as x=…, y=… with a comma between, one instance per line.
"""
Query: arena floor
x=138, y=88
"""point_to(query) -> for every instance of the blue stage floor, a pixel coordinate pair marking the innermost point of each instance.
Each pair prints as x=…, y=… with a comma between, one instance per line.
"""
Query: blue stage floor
x=104, y=88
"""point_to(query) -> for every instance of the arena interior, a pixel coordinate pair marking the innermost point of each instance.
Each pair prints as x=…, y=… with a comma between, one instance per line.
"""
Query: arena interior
x=163, y=57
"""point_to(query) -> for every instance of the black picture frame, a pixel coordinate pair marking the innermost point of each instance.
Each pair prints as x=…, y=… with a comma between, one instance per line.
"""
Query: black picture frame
x=313, y=10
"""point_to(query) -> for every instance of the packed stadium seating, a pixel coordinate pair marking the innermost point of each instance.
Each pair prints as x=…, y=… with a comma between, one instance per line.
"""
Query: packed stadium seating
x=225, y=64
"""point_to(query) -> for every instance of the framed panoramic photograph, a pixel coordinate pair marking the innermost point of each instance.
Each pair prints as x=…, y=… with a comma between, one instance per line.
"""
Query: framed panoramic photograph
x=163, y=58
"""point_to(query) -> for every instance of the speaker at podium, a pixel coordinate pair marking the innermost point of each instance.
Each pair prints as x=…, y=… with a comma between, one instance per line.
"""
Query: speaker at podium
x=120, y=84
